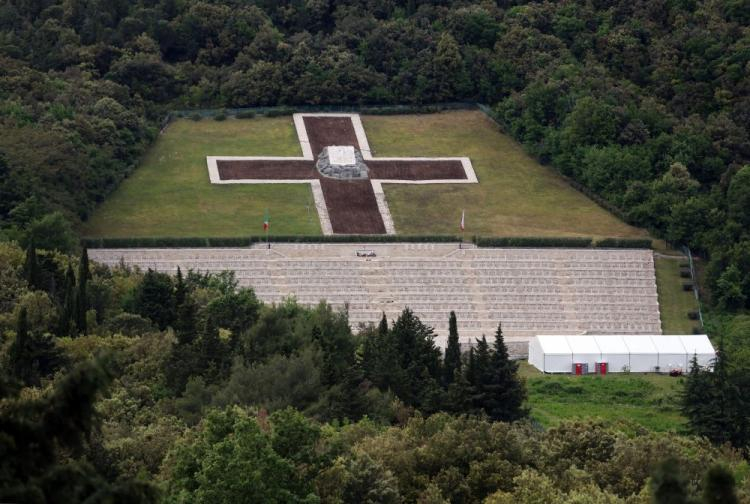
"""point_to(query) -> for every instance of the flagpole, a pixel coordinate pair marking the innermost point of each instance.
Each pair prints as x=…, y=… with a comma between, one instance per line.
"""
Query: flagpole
x=463, y=229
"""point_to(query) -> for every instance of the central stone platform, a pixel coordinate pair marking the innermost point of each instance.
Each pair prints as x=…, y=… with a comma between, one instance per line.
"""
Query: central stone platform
x=341, y=155
x=342, y=162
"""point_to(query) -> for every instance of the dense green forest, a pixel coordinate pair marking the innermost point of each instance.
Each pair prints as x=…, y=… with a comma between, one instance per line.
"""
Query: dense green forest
x=645, y=104
x=127, y=386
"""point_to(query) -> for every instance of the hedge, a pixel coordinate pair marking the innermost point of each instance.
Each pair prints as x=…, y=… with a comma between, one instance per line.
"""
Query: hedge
x=624, y=243
x=246, y=241
x=175, y=242
x=532, y=241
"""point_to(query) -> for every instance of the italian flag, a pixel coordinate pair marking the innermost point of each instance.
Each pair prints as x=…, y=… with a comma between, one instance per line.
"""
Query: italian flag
x=266, y=220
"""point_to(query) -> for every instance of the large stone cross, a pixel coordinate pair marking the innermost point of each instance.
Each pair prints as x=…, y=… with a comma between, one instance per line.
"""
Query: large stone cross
x=347, y=182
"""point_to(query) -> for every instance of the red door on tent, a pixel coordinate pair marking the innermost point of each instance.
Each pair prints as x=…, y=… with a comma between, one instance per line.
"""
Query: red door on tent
x=603, y=368
x=579, y=368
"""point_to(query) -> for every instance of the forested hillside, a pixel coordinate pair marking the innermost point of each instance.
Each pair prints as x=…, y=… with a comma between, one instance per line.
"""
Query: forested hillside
x=126, y=386
x=646, y=104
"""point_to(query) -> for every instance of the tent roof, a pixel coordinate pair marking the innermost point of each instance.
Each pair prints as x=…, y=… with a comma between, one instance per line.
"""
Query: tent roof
x=697, y=344
x=639, y=344
x=612, y=344
x=625, y=344
x=583, y=344
x=552, y=345
x=669, y=344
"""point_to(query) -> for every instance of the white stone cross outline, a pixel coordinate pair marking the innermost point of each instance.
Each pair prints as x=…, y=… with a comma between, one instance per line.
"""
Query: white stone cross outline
x=308, y=155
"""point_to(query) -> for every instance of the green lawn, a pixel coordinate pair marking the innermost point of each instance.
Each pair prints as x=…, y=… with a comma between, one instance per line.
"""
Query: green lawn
x=170, y=194
x=516, y=196
x=647, y=400
x=674, y=303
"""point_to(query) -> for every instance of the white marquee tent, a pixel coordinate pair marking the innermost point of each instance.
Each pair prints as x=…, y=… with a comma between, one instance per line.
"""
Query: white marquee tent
x=636, y=353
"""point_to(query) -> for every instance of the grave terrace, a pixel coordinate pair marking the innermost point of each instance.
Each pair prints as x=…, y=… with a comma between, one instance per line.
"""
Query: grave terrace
x=531, y=291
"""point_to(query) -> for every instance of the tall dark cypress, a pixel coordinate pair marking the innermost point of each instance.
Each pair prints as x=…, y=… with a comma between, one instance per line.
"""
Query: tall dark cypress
x=68, y=309
x=212, y=352
x=504, y=391
x=479, y=372
x=20, y=352
x=185, y=323
x=452, y=360
x=383, y=327
x=82, y=304
x=31, y=267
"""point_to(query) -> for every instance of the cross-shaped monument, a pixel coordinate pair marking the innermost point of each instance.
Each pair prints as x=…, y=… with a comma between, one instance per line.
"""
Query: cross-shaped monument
x=347, y=182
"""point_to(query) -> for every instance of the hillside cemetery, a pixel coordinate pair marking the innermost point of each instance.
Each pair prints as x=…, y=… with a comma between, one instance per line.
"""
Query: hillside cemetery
x=530, y=291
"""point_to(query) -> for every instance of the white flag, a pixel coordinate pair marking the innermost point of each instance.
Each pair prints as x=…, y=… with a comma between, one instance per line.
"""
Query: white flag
x=463, y=214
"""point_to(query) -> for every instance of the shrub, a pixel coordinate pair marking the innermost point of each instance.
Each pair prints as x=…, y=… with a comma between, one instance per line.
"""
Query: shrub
x=129, y=324
x=685, y=273
x=277, y=112
x=220, y=117
x=693, y=315
x=687, y=286
x=248, y=114
x=196, y=117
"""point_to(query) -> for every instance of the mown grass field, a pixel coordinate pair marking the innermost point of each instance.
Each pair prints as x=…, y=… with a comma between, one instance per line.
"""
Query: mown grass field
x=170, y=194
x=674, y=302
x=647, y=400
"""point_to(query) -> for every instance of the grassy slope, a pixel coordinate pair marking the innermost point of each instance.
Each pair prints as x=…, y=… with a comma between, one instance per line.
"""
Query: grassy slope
x=674, y=303
x=648, y=400
x=515, y=196
x=170, y=195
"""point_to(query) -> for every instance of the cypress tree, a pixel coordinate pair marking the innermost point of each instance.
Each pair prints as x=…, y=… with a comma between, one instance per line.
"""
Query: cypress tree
x=458, y=395
x=480, y=373
x=185, y=323
x=383, y=327
x=31, y=267
x=697, y=399
x=68, y=309
x=82, y=305
x=452, y=360
x=180, y=291
x=212, y=352
x=20, y=352
x=504, y=391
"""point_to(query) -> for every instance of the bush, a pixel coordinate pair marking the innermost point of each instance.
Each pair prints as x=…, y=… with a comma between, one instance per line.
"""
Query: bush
x=196, y=117
x=129, y=324
x=685, y=273
x=687, y=286
x=220, y=117
x=248, y=114
x=693, y=315
x=277, y=112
